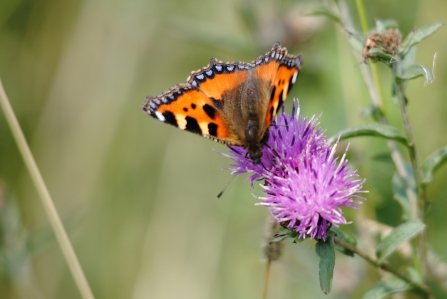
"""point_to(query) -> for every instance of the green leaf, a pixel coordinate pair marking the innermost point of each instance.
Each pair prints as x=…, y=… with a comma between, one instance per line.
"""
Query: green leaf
x=372, y=111
x=398, y=236
x=432, y=163
x=382, y=25
x=326, y=252
x=380, y=54
x=284, y=233
x=324, y=12
x=346, y=237
x=372, y=129
x=416, y=70
x=387, y=286
x=400, y=195
x=418, y=35
x=409, y=58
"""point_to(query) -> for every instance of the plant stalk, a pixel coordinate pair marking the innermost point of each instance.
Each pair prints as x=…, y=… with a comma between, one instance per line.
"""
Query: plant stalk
x=420, y=191
x=420, y=288
x=47, y=202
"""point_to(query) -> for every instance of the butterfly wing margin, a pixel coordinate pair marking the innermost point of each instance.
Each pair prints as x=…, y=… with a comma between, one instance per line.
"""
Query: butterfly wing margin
x=188, y=108
x=286, y=75
x=218, y=77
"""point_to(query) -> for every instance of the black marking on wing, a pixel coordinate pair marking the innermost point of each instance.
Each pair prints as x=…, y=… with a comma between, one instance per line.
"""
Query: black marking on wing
x=192, y=125
x=280, y=101
x=169, y=118
x=272, y=95
x=209, y=110
x=212, y=129
x=219, y=104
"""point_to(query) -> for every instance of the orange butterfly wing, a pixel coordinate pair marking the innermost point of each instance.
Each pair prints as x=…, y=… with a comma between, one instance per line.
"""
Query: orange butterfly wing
x=218, y=77
x=276, y=68
x=281, y=71
x=188, y=108
x=195, y=106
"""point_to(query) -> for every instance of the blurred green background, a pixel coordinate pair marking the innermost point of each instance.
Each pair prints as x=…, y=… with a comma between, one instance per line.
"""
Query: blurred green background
x=136, y=196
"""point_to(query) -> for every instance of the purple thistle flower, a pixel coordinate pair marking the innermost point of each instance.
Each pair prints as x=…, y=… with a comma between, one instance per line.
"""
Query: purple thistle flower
x=304, y=186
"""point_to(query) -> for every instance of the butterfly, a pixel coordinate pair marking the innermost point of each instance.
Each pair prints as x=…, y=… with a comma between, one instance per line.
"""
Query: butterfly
x=233, y=103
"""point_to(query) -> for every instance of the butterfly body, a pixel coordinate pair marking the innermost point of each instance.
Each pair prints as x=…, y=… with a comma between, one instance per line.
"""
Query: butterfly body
x=232, y=103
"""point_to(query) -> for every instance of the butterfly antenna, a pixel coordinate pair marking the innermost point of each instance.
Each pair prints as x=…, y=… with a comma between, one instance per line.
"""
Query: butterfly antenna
x=226, y=186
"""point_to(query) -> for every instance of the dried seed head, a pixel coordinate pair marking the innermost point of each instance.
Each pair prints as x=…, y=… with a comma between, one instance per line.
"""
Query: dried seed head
x=388, y=40
x=391, y=40
x=371, y=42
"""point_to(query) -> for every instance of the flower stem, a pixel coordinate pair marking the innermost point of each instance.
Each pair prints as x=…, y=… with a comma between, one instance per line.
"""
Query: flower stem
x=266, y=279
x=373, y=67
x=398, y=85
x=374, y=88
x=47, y=202
x=420, y=288
x=420, y=191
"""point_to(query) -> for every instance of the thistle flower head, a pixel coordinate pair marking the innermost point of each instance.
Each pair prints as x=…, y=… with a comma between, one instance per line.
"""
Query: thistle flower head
x=304, y=185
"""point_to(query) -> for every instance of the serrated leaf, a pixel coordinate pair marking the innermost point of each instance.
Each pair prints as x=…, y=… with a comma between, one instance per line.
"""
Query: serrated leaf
x=387, y=286
x=398, y=236
x=400, y=195
x=416, y=70
x=324, y=12
x=346, y=237
x=432, y=163
x=326, y=252
x=418, y=35
x=372, y=129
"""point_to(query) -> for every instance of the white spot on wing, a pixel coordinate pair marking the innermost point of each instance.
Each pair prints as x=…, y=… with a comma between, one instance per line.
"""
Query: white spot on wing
x=160, y=116
x=294, y=77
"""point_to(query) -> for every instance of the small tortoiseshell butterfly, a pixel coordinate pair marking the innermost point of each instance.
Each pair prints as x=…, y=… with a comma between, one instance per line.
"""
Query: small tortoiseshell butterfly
x=230, y=102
